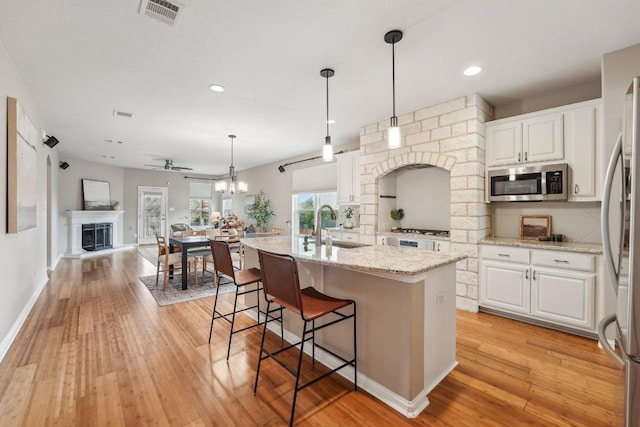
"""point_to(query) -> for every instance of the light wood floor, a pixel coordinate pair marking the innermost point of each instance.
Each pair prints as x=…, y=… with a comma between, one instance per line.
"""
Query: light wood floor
x=97, y=350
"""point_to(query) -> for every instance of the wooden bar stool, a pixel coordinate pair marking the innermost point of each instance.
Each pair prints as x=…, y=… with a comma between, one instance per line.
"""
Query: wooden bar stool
x=282, y=286
x=223, y=266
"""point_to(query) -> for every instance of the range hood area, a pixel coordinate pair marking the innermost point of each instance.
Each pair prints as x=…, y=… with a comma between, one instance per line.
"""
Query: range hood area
x=424, y=193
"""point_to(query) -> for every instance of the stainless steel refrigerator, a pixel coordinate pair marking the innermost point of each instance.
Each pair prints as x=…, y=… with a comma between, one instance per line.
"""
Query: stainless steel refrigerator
x=621, y=245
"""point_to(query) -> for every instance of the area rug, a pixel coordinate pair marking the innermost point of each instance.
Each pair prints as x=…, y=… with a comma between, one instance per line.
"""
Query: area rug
x=174, y=293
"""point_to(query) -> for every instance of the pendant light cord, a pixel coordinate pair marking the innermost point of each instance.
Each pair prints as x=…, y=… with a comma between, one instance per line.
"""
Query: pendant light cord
x=327, y=78
x=393, y=75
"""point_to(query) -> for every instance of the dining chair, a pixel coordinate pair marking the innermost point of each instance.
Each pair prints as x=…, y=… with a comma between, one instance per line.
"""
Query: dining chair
x=168, y=259
x=241, y=279
x=281, y=283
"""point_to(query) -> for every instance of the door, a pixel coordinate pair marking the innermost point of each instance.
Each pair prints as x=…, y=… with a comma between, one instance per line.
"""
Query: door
x=505, y=286
x=152, y=213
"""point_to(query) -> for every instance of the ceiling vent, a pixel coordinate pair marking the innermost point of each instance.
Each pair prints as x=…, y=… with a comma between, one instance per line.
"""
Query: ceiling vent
x=117, y=113
x=162, y=10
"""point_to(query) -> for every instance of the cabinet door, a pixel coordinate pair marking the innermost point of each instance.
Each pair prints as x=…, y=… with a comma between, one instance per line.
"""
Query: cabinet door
x=582, y=142
x=355, y=177
x=543, y=138
x=352, y=237
x=563, y=297
x=504, y=144
x=442, y=246
x=345, y=178
x=505, y=286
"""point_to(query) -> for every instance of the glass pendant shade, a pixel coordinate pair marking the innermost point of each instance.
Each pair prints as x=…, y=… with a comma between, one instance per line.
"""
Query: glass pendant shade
x=242, y=187
x=221, y=186
x=327, y=150
x=393, y=135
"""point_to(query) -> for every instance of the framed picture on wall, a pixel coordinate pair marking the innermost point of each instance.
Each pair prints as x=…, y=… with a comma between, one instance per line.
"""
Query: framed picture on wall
x=248, y=201
x=533, y=226
x=96, y=195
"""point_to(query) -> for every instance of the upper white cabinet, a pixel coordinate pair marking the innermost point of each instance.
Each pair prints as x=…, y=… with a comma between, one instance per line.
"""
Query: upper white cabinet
x=583, y=143
x=349, y=177
x=514, y=141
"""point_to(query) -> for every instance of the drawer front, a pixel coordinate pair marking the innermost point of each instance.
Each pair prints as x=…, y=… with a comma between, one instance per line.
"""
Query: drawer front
x=561, y=259
x=504, y=253
x=352, y=237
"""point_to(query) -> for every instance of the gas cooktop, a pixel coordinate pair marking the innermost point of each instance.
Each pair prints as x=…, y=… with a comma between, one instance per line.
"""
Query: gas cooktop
x=443, y=233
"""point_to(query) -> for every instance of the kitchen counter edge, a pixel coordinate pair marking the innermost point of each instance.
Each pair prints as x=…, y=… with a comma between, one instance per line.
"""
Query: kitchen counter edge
x=581, y=247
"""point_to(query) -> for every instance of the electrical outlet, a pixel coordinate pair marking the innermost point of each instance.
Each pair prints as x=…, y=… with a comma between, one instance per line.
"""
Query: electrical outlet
x=440, y=297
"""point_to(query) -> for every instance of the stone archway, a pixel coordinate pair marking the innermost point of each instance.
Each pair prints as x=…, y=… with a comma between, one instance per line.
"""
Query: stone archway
x=450, y=136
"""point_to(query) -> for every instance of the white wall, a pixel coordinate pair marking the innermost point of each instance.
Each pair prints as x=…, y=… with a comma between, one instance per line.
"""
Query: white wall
x=542, y=101
x=579, y=222
x=425, y=197
x=24, y=254
x=70, y=190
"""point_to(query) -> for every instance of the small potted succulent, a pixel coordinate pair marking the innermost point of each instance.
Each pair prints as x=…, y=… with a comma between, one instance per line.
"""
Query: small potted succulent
x=397, y=215
x=348, y=214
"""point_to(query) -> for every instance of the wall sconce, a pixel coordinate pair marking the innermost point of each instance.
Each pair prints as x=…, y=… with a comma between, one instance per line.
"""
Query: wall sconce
x=51, y=141
x=64, y=165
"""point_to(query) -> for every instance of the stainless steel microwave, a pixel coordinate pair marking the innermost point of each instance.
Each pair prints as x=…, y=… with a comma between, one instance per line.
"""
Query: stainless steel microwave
x=532, y=183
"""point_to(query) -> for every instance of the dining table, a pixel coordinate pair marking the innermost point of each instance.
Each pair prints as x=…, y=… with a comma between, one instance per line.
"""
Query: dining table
x=186, y=243
x=189, y=242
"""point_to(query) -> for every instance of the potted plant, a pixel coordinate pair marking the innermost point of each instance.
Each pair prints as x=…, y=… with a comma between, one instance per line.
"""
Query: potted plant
x=348, y=213
x=261, y=211
x=397, y=215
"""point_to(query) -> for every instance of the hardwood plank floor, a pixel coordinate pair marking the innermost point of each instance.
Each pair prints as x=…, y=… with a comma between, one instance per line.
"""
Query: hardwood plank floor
x=96, y=350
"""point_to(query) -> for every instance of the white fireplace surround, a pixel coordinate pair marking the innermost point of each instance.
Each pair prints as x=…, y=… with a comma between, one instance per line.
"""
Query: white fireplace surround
x=74, y=226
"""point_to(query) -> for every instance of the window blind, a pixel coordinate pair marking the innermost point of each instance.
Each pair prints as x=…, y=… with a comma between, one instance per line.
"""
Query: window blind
x=315, y=179
x=200, y=190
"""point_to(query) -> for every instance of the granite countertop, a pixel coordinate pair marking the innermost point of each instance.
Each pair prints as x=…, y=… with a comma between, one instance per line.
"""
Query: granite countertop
x=590, y=248
x=392, y=260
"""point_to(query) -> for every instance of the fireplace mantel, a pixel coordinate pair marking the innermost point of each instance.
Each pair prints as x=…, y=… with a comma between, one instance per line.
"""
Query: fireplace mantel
x=74, y=227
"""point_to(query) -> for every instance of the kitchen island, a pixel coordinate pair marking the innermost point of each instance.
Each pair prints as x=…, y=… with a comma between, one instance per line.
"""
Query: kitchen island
x=406, y=313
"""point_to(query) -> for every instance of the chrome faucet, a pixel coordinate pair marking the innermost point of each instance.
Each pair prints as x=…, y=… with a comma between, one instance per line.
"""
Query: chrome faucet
x=319, y=224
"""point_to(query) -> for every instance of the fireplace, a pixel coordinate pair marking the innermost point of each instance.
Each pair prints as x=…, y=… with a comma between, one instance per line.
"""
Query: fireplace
x=96, y=237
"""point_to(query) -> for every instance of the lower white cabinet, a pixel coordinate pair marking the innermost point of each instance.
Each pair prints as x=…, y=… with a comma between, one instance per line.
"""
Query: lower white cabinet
x=505, y=286
x=351, y=236
x=554, y=286
x=563, y=297
x=442, y=246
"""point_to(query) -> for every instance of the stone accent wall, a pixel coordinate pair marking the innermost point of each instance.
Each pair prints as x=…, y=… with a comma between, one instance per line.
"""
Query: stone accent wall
x=450, y=136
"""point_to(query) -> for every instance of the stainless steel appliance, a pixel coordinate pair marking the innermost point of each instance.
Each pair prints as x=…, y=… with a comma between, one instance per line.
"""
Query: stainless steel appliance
x=533, y=183
x=625, y=249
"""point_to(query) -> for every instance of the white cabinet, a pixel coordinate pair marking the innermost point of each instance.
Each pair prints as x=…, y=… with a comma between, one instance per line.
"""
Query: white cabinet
x=583, y=135
x=554, y=286
x=350, y=236
x=442, y=246
x=505, y=286
x=349, y=177
x=562, y=296
x=538, y=138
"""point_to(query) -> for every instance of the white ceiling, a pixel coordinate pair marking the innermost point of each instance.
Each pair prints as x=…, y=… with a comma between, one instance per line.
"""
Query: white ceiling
x=83, y=59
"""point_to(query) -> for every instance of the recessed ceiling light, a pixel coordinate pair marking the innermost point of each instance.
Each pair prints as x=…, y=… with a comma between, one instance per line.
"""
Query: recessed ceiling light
x=331, y=121
x=472, y=71
x=217, y=88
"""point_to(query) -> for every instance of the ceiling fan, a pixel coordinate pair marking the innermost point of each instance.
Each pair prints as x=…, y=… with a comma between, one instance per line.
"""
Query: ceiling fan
x=168, y=166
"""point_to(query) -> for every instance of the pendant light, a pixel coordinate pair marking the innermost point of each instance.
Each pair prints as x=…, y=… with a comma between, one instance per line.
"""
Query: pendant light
x=327, y=149
x=233, y=185
x=393, y=137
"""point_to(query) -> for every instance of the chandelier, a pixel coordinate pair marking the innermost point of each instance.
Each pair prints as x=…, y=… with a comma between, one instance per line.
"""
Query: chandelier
x=231, y=184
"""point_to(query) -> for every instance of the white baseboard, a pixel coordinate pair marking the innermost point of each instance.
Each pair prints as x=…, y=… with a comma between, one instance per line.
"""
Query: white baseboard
x=15, y=328
x=90, y=254
x=408, y=408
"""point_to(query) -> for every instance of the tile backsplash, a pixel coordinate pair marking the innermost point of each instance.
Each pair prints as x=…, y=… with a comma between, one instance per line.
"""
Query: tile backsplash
x=579, y=222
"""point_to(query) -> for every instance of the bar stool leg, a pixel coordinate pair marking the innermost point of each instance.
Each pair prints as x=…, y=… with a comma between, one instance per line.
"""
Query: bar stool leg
x=313, y=341
x=215, y=303
x=233, y=320
x=295, y=390
x=355, y=350
x=264, y=333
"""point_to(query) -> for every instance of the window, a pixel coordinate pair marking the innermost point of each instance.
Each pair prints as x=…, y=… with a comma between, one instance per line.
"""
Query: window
x=305, y=209
x=200, y=203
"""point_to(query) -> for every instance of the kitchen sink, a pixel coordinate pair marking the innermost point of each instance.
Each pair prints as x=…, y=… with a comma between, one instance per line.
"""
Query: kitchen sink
x=344, y=244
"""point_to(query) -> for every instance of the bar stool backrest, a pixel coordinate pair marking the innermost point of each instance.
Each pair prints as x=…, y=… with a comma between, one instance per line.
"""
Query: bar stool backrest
x=280, y=279
x=222, y=258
